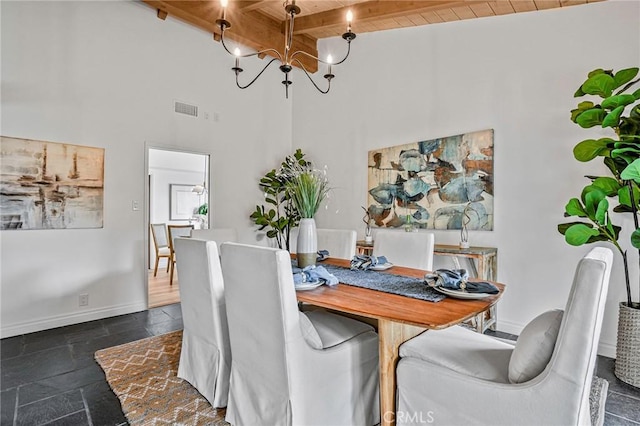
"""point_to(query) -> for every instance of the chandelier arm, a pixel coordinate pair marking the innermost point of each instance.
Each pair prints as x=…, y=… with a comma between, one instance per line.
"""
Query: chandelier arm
x=302, y=52
x=248, y=55
x=256, y=77
x=324, y=92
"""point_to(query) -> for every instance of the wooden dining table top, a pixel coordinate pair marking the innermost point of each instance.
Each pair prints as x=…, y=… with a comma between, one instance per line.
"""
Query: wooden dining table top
x=380, y=305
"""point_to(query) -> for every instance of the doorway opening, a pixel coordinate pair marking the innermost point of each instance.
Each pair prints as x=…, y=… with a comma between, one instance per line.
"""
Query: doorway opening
x=178, y=194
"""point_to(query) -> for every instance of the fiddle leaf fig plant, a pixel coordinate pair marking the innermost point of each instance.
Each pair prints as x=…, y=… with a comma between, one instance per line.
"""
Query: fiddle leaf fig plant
x=282, y=216
x=619, y=110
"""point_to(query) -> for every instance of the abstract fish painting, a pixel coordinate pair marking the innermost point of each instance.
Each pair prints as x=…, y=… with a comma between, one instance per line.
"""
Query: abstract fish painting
x=47, y=185
x=428, y=184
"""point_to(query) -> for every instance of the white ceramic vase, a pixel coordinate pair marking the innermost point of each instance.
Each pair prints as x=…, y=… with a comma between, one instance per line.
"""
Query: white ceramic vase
x=307, y=248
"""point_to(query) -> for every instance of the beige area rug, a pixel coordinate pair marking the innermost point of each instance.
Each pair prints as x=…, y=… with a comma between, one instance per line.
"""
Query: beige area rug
x=143, y=374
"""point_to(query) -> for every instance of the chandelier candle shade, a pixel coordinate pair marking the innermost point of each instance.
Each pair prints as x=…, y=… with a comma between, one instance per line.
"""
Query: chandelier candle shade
x=287, y=58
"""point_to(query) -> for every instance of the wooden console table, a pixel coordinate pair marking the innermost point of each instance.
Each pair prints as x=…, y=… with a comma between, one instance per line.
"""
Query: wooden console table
x=483, y=264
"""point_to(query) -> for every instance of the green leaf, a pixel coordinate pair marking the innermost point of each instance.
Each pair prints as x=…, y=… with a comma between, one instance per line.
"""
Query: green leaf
x=272, y=233
x=591, y=197
x=618, y=100
x=608, y=184
x=632, y=172
x=612, y=119
x=624, y=76
x=574, y=208
x=614, y=165
x=636, y=94
x=591, y=117
x=596, y=72
x=616, y=233
x=582, y=106
x=601, y=213
x=600, y=84
x=626, y=154
x=621, y=208
x=625, y=199
x=588, y=149
x=579, y=234
x=635, y=238
x=562, y=228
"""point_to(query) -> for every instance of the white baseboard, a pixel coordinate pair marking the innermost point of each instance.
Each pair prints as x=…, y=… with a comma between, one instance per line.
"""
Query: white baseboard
x=607, y=349
x=509, y=327
x=604, y=348
x=69, y=319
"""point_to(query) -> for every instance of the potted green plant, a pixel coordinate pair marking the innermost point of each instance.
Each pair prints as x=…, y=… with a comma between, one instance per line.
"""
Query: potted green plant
x=618, y=109
x=307, y=189
x=281, y=217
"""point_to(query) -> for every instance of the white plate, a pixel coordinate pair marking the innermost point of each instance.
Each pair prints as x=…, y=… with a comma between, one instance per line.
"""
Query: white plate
x=459, y=294
x=307, y=286
x=382, y=267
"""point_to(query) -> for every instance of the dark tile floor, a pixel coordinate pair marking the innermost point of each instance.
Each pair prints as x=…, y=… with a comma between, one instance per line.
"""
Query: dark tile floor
x=51, y=378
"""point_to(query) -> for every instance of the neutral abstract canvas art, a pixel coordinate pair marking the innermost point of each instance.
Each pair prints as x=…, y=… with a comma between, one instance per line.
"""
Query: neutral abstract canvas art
x=434, y=184
x=47, y=185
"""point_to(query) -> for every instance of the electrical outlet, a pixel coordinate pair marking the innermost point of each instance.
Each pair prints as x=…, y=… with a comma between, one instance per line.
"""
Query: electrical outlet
x=83, y=300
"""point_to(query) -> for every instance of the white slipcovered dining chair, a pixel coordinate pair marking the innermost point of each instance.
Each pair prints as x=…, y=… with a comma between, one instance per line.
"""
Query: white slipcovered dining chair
x=289, y=367
x=409, y=249
x=458, y=377
x=341, y=243
x=205, y=360
x=219, y=235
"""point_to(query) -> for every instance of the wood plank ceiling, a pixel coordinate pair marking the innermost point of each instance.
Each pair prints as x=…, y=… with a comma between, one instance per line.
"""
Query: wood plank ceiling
x=259, y=24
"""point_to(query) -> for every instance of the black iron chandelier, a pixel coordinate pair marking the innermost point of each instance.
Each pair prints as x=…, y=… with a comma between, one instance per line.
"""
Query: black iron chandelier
x=288, y=58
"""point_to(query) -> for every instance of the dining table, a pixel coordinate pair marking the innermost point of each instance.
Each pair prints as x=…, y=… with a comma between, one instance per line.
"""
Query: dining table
x=399, y=318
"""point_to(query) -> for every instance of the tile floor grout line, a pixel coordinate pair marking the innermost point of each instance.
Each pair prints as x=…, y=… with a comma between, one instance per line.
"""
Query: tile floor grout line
x=86, y=407
x=43, y=399
x=15, y=408
x=61, y=417
x=626, y=394
x=621, y=417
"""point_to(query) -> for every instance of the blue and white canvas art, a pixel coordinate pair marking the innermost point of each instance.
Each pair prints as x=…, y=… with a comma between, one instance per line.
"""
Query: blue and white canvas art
x=428, y=184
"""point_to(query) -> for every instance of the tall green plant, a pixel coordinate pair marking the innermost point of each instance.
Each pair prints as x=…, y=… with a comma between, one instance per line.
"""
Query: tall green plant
x=307, y=188
x=282, y=215
x=621, y=155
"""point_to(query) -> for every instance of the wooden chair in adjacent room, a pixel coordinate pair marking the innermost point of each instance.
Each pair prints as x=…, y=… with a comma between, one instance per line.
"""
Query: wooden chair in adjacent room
x=161, y=244
x=176, y=231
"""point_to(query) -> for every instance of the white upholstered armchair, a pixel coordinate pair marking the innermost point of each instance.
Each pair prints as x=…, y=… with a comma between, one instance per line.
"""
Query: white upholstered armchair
x=458, y=377
x=289, y=367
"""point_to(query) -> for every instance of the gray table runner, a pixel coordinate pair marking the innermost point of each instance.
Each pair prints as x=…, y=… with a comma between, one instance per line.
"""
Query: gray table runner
x=388, y=283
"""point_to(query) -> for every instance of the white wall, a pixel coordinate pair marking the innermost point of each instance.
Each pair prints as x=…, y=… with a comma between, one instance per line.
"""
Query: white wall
x=106, y=74
x=515, y=74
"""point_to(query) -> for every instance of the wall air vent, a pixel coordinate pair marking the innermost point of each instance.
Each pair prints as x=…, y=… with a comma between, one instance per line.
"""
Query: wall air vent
x=182, y=108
